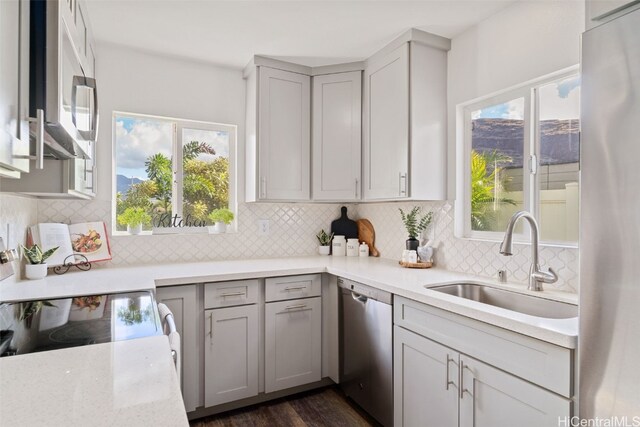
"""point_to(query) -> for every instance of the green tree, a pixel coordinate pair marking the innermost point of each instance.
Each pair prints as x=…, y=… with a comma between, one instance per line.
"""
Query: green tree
x=484, y=188
x=205, y=184
x=158, y=168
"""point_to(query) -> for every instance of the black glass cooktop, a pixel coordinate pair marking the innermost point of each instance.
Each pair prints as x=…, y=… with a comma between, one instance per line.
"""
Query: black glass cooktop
x=61, y=323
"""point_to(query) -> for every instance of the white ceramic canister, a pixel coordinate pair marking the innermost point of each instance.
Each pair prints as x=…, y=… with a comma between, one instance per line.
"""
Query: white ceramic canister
x=338, y=246
x=363, y=250
x=352, y=247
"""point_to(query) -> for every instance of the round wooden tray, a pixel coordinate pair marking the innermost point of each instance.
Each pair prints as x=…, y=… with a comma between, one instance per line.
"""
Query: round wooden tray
x=419, y=264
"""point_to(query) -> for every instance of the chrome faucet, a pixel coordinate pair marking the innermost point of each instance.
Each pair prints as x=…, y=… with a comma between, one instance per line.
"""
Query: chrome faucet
x=536, y=276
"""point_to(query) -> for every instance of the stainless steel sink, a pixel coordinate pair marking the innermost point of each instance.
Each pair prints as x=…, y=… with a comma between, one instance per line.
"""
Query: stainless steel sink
x=514, y=301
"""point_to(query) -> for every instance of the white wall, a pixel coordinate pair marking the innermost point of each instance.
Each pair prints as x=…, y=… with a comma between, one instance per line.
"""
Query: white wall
x=527, y=40
x=139, y=82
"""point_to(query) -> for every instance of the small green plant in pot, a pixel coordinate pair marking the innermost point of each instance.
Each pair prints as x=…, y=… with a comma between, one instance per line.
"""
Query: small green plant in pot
x=324, y=240
x=415, y=225
x=36, y=267
x=134, y=219
x=221, y=218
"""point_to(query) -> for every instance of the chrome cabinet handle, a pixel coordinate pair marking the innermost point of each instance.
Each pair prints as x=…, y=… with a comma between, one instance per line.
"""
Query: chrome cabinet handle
x=233, y=294
x=295, y=288
x=211, y=326
x=263, y=187
x=464, y=390
x=448, y=383
x=403, y=186
x=296, y=307
x=39, y=139
x=39, y=156
x=357, y=187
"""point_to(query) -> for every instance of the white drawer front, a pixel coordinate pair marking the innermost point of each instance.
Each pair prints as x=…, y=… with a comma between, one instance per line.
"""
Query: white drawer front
x=292, y=287
x=228, y=294
x=542, y=363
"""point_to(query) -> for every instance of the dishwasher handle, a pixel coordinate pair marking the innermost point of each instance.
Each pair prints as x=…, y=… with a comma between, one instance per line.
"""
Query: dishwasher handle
x=358, y=297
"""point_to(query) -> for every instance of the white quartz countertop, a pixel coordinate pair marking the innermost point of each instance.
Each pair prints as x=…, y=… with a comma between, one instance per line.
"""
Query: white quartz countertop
x=125, y=383
x=380, y=273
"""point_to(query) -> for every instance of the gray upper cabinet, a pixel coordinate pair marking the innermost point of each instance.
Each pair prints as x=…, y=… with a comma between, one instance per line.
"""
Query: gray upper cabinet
x=386, y=130
x=600, y=11
x=405, y=122
x=14, y=88
x=278, y=141
x=65, y=97
x=336, y=136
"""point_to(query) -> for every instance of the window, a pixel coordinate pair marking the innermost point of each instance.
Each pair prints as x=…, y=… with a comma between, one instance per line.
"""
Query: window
x=177, y=171
x=520, y=149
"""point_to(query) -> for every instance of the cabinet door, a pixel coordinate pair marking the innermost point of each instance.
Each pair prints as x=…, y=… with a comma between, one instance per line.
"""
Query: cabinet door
x=492, y=398
x=599, y=10
x=230, y=354
x=182, y=301
x=386, y=148
x=425, y=381
x=14, y=87
x=284, y=135
x=293, y=343
x=336, y=137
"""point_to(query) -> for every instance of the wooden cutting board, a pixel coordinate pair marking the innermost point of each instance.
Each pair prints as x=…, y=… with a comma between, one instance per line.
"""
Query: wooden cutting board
x=367, y=234
x=344, y=226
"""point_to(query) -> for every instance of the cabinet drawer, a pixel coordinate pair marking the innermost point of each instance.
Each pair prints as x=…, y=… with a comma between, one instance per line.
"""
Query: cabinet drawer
x=228, y=294
x=292, y=287
x=542, y=363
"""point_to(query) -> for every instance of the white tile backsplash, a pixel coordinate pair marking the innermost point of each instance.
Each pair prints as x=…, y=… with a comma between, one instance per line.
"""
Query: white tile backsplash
x=463, y=255
x=292, y=233
x=20, y=212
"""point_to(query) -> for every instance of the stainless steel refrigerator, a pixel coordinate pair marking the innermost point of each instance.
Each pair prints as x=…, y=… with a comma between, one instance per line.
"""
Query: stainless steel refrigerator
x=609, y=351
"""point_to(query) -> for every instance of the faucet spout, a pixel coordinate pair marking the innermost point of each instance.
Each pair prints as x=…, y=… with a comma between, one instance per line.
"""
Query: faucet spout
x=536, y=276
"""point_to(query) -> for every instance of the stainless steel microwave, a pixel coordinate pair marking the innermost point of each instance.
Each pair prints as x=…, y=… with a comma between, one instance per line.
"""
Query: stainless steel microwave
x=61, y=80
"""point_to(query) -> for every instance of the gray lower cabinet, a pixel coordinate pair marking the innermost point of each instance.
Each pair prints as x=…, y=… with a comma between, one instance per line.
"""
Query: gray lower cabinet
x=293, y=343
x=493, y=398
x=450, y=370
x=183, y=303
x=437, y=386
x=230, y=354
x=425, y=385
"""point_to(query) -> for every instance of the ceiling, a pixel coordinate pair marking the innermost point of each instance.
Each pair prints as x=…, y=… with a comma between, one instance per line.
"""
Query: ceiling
x=308, y=32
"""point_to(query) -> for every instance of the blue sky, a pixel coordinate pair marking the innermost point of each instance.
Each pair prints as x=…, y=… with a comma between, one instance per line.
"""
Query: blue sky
x=137, y=138
x=558, y=100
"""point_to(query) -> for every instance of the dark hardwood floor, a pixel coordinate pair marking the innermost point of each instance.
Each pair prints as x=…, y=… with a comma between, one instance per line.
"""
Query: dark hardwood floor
x=318, y=408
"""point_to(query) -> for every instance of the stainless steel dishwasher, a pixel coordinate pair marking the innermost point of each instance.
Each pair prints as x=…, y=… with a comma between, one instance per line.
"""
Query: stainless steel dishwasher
x=367, y=348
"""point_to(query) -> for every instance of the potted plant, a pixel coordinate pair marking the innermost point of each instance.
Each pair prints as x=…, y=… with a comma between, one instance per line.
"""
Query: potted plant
x=134, y=219
x=221, y=218
x=415, y=225
x=36, y=267
x=324, y=240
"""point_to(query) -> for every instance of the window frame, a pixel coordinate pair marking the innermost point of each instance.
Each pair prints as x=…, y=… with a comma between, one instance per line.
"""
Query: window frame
x=531, y=152
x=178, y=173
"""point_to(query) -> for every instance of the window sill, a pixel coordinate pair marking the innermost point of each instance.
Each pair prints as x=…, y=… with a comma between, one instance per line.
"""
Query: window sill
x=174, y=231
x=560, y=245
